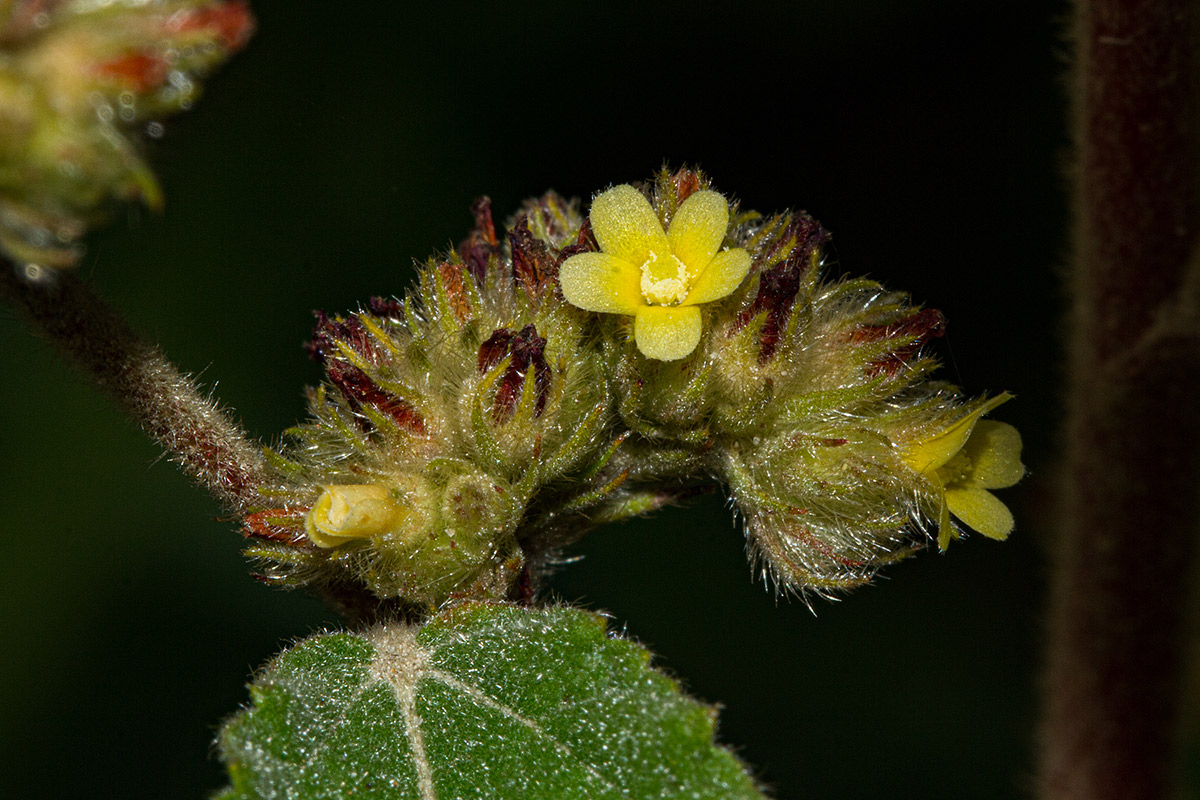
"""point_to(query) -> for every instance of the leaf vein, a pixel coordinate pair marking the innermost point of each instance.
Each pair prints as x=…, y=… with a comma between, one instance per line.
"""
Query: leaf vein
x=400, y=663
x=510, y=713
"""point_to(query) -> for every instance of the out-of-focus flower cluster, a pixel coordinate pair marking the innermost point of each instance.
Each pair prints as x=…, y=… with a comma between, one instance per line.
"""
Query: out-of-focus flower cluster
x=81, y=81
x=580, y=369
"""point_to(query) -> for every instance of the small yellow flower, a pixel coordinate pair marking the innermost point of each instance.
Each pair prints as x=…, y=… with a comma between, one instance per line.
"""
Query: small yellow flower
x=658, y=277
x=962, y=462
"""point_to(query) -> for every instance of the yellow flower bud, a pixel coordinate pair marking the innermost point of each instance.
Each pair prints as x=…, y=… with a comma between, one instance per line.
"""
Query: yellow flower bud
x=357, y=511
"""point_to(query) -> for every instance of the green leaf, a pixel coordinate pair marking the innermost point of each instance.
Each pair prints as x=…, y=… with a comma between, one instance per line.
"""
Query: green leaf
x=482, y=701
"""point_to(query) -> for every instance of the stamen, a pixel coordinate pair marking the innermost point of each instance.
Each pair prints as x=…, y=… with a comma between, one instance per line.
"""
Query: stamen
x=664, y=281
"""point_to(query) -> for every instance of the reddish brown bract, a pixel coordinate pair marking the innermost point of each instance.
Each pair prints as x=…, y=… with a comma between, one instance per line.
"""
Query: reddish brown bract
x=284, y=525
x=481, y=243
x=909, y=335
x=451, y=275
x=534, y=267
x=231, y=22
x=686, y=183
x=527, y=350
x=779, y=283
x=356, y=385
x=138, y=71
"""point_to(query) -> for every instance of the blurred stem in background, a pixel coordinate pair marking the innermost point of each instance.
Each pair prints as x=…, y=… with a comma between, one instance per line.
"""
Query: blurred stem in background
x=1131, y=486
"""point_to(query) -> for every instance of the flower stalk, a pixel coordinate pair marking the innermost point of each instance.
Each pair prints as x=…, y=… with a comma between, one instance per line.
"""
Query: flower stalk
x=168, y=405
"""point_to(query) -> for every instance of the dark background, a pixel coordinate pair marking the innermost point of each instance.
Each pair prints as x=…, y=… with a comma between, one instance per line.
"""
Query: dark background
x=348, y=140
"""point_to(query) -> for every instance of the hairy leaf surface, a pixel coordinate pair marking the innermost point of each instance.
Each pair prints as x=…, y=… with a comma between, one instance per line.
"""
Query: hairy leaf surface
x=483, y=701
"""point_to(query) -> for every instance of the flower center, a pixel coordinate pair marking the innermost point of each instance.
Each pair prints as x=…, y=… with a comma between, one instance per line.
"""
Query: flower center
x=956, y=469
x=664, y=280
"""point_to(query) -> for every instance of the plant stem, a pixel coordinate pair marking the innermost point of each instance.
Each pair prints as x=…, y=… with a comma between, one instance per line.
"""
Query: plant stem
x=168, y=405
x=1131, y=491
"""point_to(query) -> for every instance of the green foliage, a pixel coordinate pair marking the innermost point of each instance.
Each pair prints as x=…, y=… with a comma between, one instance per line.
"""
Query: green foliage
x=482, y=701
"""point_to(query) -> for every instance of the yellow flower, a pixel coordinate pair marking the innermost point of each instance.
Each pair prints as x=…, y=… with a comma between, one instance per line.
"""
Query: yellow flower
x=658, y=277
x=962, y=462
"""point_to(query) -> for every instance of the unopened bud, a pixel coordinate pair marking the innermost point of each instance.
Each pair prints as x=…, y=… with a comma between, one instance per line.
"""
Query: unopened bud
x=344, y=513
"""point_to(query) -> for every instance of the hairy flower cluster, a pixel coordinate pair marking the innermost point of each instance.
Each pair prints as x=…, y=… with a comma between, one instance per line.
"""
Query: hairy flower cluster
x=78, y=82
x=456, y=427
x=585, y=369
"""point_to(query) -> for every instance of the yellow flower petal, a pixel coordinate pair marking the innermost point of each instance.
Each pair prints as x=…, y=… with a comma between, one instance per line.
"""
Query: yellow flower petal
x=980, y=510
x=926, y=456
x=698, y=228
x=601, y=282
x=945, y=530
x=667, y=332
x=626, y=226
x=722, y=275
x=995, y=452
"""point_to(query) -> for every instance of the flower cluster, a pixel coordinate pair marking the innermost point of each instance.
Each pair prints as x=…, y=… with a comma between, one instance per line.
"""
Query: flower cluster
x=581, y=369
x=461, y=428
x=77, y=83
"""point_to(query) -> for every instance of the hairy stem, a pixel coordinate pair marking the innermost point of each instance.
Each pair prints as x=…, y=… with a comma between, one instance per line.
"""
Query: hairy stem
x=1132, y=476
x=168, y=405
